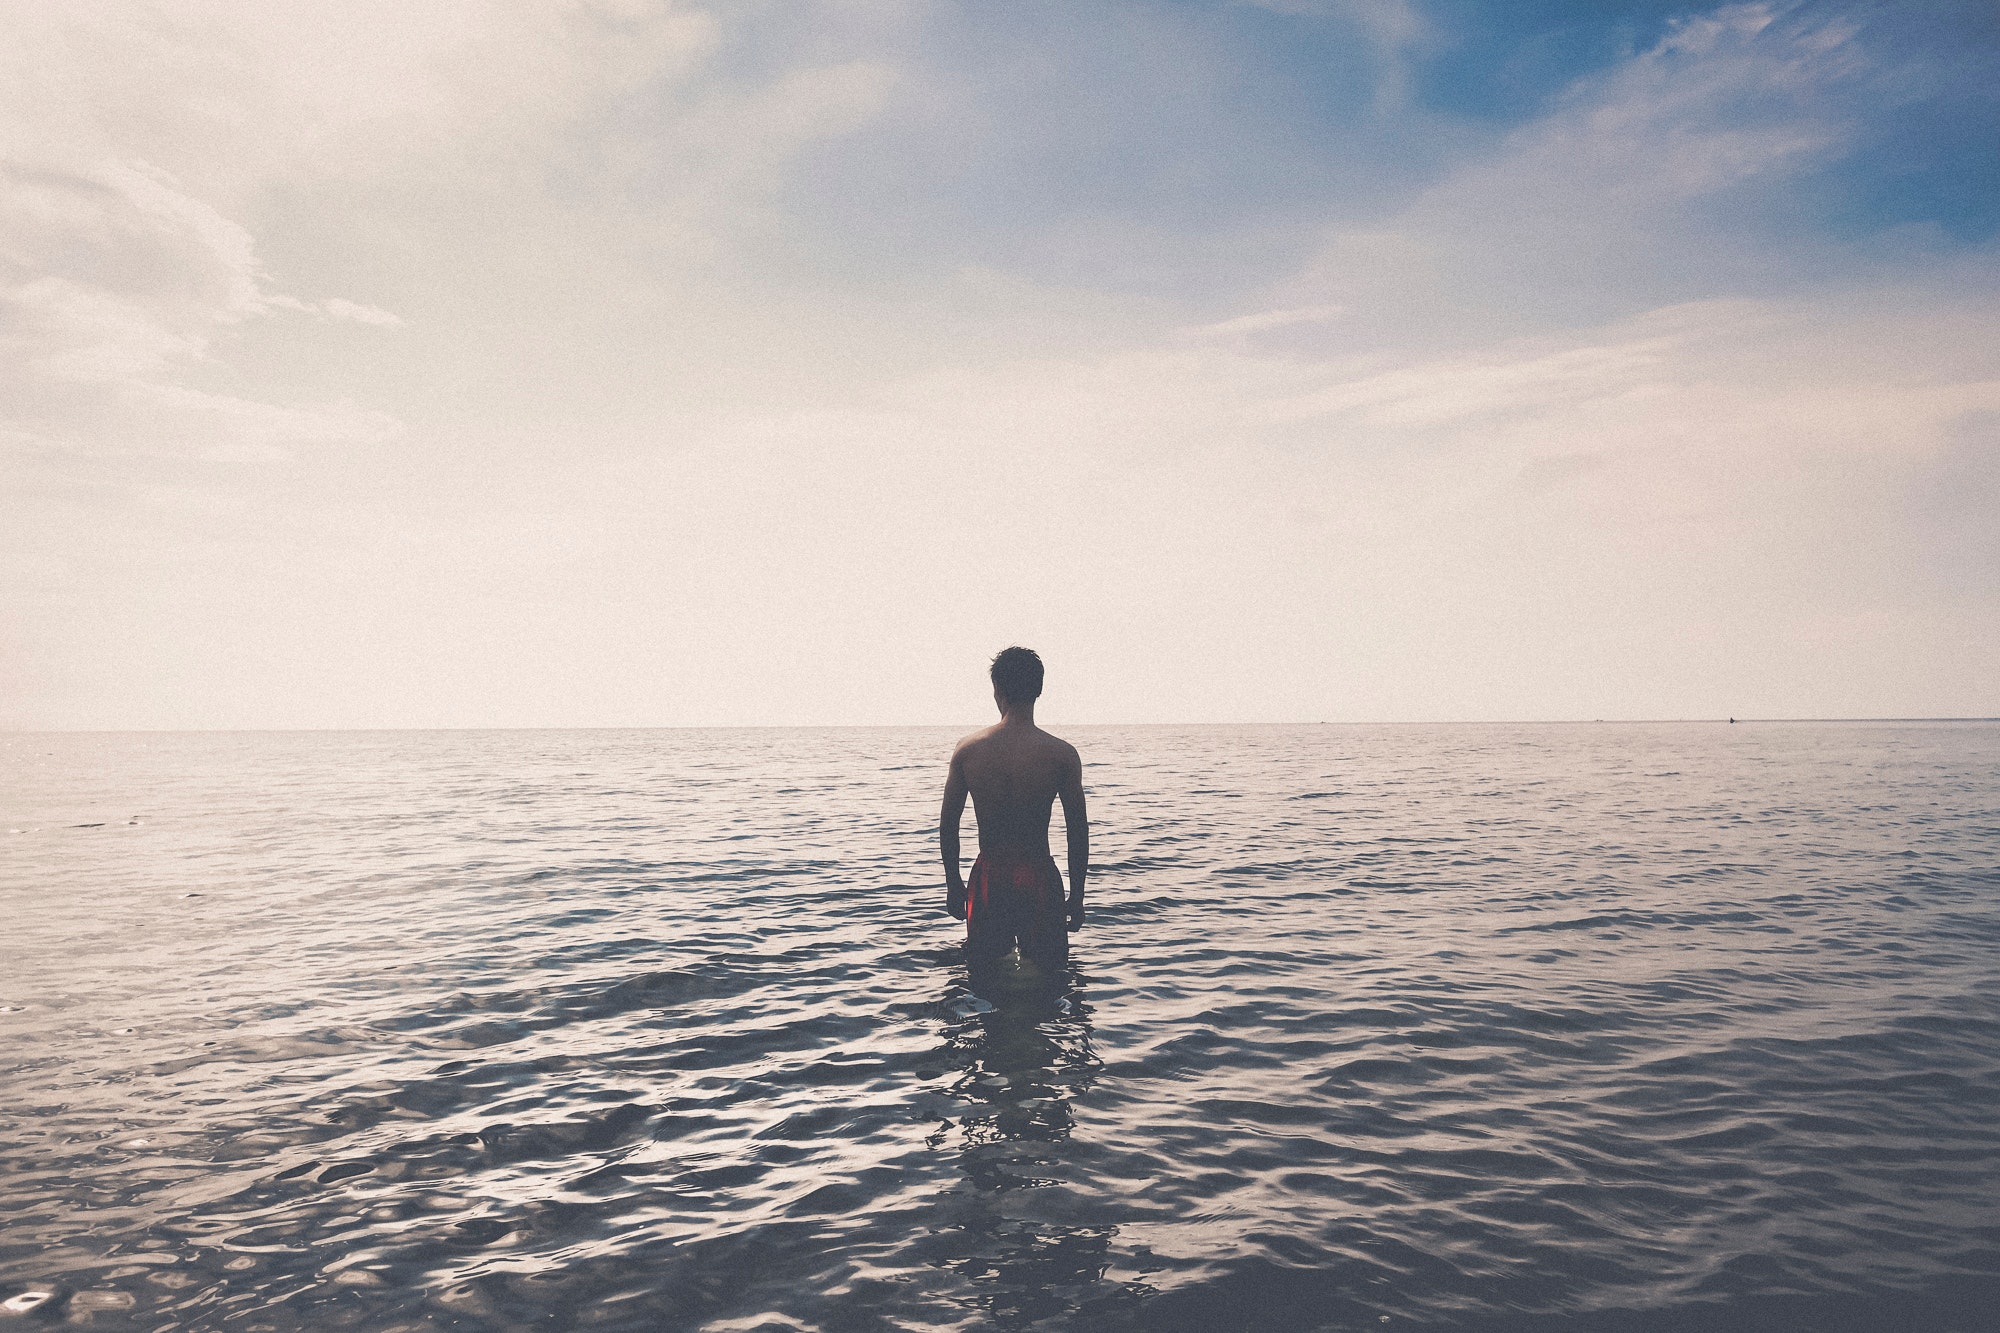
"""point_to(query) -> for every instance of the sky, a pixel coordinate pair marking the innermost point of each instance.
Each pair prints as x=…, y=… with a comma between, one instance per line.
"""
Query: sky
x=622, y=363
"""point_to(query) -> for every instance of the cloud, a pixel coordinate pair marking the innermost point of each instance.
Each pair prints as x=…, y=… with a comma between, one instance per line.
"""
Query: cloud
x=1658, y=500
x=1500, y=382
x=358, y=313
x=1397, y=29
x=543, y=155
x=1265, y=321
x=114, y=285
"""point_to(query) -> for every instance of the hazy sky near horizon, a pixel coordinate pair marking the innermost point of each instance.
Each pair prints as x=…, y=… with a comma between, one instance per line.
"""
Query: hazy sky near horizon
x=609, y=362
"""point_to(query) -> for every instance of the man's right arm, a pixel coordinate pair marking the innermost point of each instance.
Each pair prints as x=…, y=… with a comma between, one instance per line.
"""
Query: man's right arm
x=948, y=818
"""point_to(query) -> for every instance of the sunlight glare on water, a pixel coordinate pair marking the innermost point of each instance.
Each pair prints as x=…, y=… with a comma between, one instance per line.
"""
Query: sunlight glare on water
x=1451, y=1026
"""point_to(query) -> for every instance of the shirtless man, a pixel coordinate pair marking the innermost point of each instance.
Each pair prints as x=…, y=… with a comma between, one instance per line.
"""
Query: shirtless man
x=1015, y=771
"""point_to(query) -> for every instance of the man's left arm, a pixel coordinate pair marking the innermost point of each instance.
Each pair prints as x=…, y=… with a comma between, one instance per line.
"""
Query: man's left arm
x=1076, y=822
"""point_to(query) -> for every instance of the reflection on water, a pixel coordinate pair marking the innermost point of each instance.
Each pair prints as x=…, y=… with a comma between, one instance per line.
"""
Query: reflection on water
x=1480, y=1028
x=1022, y=1052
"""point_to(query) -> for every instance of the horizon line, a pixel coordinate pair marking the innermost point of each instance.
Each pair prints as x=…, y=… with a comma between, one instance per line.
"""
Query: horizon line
x=904, y=726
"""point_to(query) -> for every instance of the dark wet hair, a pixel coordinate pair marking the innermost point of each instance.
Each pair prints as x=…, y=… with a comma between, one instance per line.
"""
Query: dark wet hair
x=1017, y=674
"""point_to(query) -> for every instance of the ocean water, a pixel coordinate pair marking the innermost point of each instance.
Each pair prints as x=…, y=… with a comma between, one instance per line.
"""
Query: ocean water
x=1460, y=1027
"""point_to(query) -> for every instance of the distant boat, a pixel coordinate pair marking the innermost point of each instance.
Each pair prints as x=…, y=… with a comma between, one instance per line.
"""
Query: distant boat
x=1732, y=721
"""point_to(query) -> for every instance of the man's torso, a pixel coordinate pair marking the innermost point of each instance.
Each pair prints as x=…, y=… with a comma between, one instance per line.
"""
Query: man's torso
x=1014, y=775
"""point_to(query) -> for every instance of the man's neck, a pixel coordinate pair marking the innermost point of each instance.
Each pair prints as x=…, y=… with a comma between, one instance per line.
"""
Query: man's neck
x=1018, y=715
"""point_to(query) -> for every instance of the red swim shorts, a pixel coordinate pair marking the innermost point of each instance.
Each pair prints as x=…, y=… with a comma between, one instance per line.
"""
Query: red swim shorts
x=1009, y=902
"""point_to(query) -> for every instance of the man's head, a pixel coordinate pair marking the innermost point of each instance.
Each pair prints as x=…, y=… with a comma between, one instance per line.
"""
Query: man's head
x=1017, y=676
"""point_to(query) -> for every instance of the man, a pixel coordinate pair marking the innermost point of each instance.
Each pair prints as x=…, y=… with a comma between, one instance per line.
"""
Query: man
x=1015, y=771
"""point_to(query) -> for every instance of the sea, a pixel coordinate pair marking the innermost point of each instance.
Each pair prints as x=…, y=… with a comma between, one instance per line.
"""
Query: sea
x=1675, y=1026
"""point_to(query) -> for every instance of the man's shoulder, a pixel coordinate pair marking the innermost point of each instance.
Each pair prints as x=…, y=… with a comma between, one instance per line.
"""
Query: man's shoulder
x=973, y=741
x=1049, y=747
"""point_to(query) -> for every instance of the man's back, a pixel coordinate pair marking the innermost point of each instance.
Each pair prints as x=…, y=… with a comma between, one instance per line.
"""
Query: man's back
x=1014, y=772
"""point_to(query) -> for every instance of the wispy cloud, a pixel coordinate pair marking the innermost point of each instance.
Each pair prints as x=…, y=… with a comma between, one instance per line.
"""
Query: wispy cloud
x=115, y=286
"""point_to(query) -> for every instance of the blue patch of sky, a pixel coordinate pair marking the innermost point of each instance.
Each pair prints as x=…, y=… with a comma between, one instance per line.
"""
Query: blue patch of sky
x=1021, y=135
x=1926, y=146
x=1508, y=62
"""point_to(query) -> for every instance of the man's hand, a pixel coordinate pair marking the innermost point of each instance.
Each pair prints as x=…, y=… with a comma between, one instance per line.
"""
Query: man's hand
x=1076, y=911
x=954, y=900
